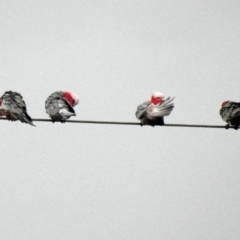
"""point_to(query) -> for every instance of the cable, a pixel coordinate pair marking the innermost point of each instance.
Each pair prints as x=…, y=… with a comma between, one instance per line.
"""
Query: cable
x=129, y=123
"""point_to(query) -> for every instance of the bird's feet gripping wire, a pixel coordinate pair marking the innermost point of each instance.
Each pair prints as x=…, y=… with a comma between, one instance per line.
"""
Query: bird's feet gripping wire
x=227, y=126
x=236, y=127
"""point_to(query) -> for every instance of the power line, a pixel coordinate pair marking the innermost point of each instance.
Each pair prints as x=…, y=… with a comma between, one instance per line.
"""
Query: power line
x=130, y=123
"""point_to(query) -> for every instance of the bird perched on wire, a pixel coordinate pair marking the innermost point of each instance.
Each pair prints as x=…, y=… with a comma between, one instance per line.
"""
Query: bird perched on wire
x=153, y=112
x=230, y=113
x=59, y=105
x=14, y=108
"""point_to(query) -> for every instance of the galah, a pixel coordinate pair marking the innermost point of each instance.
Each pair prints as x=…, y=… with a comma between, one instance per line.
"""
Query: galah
x=152, y=112
x=230, y=113
x=59, y=105
x=14, y=108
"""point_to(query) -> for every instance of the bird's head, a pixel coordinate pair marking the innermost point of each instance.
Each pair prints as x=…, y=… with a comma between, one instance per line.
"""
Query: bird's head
x=72, y=98
x=225, y=102
x=157, y=98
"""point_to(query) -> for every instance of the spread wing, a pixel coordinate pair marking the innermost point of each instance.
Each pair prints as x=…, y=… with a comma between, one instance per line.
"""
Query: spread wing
x=157, y=111
x=142, y=110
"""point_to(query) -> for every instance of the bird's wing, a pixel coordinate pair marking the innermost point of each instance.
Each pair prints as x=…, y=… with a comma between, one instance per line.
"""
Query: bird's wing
x=142, y=110
x=56, y=104
x=230, y=111
x=15, y=107
x=12, y=101
x=156, y=111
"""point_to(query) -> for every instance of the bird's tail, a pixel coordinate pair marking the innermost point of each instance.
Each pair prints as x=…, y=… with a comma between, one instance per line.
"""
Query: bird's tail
x=31, y=123
x=27, y=119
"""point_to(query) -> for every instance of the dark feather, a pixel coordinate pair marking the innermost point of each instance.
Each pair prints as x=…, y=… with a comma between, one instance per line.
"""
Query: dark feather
x=230, y=113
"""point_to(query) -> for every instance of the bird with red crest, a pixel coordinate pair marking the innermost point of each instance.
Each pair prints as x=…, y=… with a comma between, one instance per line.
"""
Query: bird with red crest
x=59, y=105
x=153, y=112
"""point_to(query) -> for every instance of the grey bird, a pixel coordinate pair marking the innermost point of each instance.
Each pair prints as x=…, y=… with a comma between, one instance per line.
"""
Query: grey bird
x=153, y=112
x=14, y=108
x=230, y=113
x=59, y=105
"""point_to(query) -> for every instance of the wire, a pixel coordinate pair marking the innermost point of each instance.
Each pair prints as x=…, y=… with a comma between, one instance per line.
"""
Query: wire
x=130, y=123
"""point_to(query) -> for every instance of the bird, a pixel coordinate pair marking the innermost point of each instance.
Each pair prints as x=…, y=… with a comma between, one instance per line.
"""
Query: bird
x=153, y=112
x=59, y=105
x=14, y=108
x=230, y=113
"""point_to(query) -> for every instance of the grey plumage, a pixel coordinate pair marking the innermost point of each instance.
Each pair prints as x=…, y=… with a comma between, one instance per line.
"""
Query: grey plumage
x=150, y=114
x=230, y=113
x=14, y=107
x=58, y=107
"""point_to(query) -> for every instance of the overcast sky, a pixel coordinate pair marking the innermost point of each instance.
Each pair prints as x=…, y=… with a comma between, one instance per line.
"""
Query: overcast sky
x=82, y=181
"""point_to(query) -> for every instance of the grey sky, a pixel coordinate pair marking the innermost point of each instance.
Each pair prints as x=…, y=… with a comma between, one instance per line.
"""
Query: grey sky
x=75, y=181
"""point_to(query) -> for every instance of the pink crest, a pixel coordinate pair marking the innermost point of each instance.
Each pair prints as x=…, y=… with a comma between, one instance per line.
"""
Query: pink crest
x=71, y=98
x=225, y=102
x=157, y=98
